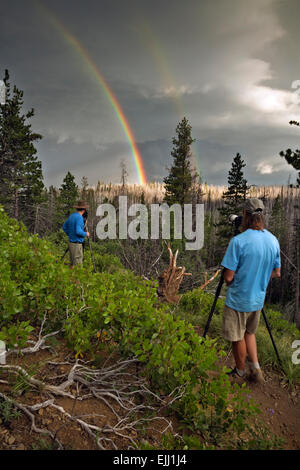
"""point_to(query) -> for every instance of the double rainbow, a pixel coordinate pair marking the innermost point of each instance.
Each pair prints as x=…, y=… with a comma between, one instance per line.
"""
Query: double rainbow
x=104, y=85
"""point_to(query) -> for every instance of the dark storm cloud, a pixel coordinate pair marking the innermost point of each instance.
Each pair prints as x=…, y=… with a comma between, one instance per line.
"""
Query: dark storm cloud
x=85, y=159
x=226, y=65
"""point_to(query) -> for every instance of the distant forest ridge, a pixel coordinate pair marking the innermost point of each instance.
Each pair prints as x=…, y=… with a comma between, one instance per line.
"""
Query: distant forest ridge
x=210, y=192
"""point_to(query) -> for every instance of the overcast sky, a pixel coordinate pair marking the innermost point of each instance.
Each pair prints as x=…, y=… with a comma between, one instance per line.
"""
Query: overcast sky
x=227, y=65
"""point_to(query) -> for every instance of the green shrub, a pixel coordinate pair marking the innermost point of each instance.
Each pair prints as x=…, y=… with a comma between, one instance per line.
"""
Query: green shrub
x=125, y=308
x=107, y=263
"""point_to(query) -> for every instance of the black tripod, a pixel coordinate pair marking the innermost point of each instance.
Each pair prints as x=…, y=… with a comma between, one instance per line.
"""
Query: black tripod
x=218, y=291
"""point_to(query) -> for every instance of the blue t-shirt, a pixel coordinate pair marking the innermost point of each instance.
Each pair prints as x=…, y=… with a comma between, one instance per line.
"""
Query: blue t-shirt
x=252, y=255
x=73, y=227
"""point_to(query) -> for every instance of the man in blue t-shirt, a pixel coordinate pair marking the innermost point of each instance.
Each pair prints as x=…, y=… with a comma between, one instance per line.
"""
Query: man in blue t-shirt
x=251, y=259
x=74, y=228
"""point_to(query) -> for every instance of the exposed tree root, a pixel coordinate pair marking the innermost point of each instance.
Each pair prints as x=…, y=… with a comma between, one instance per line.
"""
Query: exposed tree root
x=27, y=411
x=133, y=405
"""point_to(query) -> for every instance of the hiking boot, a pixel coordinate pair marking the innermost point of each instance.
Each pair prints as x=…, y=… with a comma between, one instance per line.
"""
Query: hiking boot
x=256, y=376
x=234, y=375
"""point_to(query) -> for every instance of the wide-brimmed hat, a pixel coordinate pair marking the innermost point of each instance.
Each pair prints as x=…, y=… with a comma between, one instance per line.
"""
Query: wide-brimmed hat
x=254, y=205
x=81, y=205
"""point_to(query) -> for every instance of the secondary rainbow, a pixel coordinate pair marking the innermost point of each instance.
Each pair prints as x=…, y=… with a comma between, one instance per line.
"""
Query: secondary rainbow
x=108, y=92
x=151, y=42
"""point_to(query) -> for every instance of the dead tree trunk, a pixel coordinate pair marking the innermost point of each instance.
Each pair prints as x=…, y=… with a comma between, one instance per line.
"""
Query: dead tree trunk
x=170, y=280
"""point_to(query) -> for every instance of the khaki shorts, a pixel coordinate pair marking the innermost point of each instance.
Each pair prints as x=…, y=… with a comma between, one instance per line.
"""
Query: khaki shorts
x=235, y=324
x=76, y=253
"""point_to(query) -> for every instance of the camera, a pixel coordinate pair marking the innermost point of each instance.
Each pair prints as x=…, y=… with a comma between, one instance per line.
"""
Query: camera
x=236, y=220
x=85, y=215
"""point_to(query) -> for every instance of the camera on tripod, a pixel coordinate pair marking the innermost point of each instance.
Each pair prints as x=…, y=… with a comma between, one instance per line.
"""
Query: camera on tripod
x=236, y=220
x=85, y=215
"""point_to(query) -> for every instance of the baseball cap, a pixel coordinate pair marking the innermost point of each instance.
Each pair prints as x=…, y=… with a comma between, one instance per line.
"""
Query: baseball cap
x=254, y=205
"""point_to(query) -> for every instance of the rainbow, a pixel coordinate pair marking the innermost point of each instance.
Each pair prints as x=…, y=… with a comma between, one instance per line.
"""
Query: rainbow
x=155, y=49
x=78, y=47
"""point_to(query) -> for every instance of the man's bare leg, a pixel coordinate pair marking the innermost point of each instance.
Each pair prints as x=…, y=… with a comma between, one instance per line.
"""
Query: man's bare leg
x=256, y=373
x=250, y=341
x=239, y=353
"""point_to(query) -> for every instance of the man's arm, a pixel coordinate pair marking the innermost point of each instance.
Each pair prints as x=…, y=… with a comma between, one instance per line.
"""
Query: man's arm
x=231, y=260
x=276, y=273
x=228, y=276
x=79, y=228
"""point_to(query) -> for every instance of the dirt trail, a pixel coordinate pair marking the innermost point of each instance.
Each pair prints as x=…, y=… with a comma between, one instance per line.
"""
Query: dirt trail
x=280, y=409
x=279, y=404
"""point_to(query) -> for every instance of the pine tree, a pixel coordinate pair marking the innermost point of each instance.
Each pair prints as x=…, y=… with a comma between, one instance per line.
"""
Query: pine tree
x=21, y=178
x=278, y=225
x=234, y=197
x=293, y=157
x=178, y=184
x=52, y=198
x=296, y=276
x=89, y=195
x=84, y=187
x=68, y=194
x=124, y=174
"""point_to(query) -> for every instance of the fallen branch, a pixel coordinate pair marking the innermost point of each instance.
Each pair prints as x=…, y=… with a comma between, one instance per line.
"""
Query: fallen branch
x=210, y=280
x=26, y=410
x=40, y=343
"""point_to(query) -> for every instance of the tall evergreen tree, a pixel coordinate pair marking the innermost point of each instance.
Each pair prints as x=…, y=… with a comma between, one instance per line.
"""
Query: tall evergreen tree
x=84, y=187
x=293, y=157
x=124, y=175
x=178, y=184
x=234, y=196
x=21, y=178
x=68, y=194
x=52, y=198
x=278, y=223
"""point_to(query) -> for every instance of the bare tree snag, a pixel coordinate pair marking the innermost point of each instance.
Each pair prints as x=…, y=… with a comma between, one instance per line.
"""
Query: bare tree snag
x=206, y=282
x=170, y=280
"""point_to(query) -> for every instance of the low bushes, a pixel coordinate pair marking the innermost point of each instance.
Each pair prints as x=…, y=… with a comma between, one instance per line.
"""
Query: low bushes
x=123, y=307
